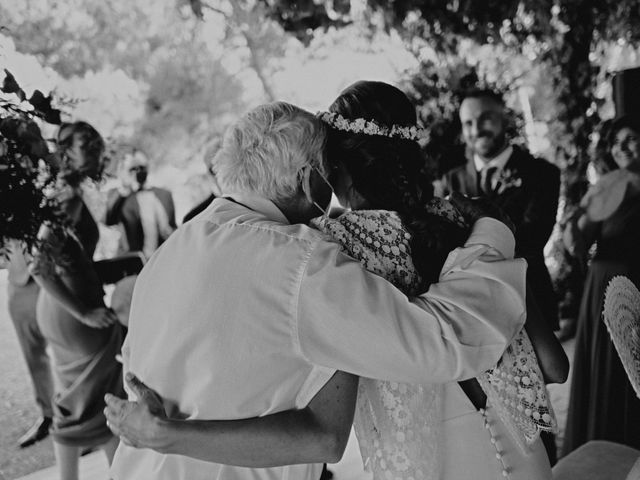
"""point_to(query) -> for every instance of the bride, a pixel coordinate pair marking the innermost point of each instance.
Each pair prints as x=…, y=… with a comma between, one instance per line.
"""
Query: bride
x=483, y=428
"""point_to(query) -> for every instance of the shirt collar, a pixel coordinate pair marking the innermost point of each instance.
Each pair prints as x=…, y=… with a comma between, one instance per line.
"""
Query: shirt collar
x=498, y=161
x=259, y=204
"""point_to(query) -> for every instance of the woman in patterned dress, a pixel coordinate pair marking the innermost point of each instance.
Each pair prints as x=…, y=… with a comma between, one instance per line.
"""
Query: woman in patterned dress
x=399, y=231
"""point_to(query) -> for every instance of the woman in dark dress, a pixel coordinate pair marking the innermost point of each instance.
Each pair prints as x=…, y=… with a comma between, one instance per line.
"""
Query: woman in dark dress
x=83, y=334
x=603, y=404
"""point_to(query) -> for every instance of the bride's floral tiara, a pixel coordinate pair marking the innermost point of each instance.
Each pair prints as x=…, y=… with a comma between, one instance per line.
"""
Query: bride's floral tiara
x=369, y=127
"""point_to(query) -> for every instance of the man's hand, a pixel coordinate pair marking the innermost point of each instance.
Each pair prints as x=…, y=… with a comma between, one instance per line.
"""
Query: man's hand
x=101, y=317
x=137, y=423
x=473, y=209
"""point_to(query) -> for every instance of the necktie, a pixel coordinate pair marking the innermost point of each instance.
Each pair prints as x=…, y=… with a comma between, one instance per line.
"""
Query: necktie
x=486, y=179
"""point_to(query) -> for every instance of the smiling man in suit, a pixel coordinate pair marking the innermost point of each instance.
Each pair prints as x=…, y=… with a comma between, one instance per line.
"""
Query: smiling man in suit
x=525, y=187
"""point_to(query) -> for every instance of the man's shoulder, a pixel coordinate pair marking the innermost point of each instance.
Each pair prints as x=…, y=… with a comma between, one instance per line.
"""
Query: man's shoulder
x=454, y=162
x=522, y=159
x=246, y=221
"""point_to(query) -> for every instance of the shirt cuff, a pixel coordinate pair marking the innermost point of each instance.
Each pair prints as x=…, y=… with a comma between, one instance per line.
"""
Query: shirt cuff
x=493, y=233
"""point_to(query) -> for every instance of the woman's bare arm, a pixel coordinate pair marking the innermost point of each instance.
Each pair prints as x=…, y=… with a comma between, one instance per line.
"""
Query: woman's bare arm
x=44, y=271
x=317, y=433
x=96, y=317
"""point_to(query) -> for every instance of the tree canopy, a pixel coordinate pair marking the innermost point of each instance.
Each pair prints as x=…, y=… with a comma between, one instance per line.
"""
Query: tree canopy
x=562, y=35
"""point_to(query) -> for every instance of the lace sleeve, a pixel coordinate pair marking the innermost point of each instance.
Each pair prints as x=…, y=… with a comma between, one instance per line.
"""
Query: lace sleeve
x=397, y=424
x=516, y=389
x=377, y=239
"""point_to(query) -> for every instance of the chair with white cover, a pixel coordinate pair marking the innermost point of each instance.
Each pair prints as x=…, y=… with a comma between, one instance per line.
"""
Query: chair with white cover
x=597, y=459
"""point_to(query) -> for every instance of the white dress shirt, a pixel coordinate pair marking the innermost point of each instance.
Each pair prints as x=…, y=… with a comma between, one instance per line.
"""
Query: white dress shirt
x=498, y=163
x=240, y=314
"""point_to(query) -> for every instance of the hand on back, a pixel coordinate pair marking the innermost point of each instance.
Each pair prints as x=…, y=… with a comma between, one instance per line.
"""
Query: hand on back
x=472, y=209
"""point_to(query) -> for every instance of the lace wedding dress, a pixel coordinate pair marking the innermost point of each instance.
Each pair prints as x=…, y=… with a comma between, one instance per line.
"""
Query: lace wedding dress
x=408, y=431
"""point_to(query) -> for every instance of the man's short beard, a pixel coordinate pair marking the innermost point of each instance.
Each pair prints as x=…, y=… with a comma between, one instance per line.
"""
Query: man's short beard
x=499, y=144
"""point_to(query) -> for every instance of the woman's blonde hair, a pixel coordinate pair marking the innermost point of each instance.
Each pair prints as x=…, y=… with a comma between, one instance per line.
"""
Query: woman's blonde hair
x=269, y=150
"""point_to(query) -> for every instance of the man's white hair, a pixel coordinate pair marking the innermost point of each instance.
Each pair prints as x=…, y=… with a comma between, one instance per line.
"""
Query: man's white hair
x=270, y=150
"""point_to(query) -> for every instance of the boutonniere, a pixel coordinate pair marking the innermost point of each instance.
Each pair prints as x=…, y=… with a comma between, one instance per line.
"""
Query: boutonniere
x=507, y=179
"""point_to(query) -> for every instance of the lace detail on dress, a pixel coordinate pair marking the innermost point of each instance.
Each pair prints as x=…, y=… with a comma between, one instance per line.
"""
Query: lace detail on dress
x=397, y=424
x=443, y=208
x=377, y=239
x=398, y=429
x=515, y=388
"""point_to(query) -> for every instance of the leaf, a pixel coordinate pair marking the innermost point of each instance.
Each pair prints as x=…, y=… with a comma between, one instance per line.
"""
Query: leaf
x=40, y=102
x=43, y=108
x=10, y=85
x=53, y=117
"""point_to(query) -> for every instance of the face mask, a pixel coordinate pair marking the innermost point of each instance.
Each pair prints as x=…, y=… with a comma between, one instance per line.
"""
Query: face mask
x=325, y=211
x=141, y=176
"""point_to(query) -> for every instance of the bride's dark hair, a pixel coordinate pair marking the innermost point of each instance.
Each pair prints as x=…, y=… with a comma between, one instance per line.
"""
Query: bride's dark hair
x=388, y=172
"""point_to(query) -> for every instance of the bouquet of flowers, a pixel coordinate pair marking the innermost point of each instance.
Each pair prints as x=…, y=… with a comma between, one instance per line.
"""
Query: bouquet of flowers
x=27, y=168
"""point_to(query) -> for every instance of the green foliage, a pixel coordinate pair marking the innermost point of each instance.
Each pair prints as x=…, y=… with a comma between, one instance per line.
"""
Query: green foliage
x=76, y=36
x=302, y=18
x=559, y=33
x=168, y=52
x=191, y=98
x=27, y=170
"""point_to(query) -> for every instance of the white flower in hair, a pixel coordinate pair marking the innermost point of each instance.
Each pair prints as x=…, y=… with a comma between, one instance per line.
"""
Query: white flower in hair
x=370, y=127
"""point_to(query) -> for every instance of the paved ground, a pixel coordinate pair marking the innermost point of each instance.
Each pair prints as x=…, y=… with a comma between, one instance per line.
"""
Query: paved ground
x=18, y=411
x=17, y=408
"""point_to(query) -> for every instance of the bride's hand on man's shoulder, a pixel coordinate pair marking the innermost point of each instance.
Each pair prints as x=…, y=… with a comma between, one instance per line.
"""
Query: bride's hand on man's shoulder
x=472, y=209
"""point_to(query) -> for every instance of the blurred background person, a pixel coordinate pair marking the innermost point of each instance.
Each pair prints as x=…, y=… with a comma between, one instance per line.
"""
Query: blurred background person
x=146, y=214
x=603, y=404
x=527, y=188
x=22, y=296
x=82, y=332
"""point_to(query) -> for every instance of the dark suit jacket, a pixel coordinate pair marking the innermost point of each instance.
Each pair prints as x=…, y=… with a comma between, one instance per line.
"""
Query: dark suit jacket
x=125, y=210
x=532, y=207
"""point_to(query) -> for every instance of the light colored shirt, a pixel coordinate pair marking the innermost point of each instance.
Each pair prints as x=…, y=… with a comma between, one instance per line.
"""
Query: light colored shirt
x=240, y=314
x=498, y=162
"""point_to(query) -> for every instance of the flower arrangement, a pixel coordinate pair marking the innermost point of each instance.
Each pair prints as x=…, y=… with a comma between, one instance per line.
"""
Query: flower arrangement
x=370, y=127
x=27, y=168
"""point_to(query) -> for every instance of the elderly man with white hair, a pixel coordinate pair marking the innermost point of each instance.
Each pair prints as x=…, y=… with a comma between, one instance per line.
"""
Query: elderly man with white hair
x=247, y=311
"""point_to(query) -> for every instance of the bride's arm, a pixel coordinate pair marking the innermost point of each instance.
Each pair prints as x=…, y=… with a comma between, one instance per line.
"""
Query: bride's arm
x=317, y=433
